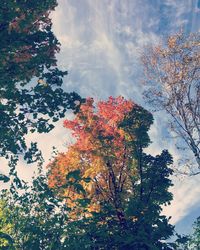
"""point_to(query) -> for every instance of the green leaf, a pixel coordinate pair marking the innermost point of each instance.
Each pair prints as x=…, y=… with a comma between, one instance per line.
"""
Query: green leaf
x=4, y=178
x=6, y=237
x=79, y=188
x=74, y=174
x=87, y=180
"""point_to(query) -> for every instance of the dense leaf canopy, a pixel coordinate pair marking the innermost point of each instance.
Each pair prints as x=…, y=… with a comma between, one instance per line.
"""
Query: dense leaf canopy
x=31, y=97
x=32, y=217
x=125, y=186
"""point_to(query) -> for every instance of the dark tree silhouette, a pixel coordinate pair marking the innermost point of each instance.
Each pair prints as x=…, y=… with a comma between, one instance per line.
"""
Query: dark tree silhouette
x=31, y=93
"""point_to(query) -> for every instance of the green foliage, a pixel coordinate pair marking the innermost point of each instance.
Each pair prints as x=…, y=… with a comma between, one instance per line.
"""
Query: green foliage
x=4, y=178
x=5, y=226
x=137, y=222
x=32, y=100
x=137, y=123
x=31, y=94
x=189, y=242
x=143, y=226
x=195, y=238
x=32, y=217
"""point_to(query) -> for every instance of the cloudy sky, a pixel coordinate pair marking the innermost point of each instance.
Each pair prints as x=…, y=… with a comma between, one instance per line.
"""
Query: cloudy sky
x=101, y=41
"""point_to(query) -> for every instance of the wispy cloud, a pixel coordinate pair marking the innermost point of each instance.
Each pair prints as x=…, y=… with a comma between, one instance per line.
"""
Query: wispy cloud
x=101, y=41
x=186, y=194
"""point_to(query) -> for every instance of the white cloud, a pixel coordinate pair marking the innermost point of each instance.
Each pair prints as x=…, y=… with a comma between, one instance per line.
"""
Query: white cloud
x=103, y=46
x=186, y=191
x=186, y=194
x=101, y=42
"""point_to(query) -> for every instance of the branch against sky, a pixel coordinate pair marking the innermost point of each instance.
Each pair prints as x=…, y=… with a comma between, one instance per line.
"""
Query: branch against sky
x=172, y=80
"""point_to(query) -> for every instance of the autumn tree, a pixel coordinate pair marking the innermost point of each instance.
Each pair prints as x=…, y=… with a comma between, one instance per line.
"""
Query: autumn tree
x=172, y=81
x=31, y=94
x=124, y=188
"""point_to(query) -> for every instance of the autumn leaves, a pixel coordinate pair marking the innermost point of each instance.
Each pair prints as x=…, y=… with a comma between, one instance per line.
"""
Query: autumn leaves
x=99, y=151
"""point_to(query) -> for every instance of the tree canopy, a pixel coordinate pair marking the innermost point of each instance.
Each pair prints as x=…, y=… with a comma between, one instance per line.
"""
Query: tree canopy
x=125, y=186
x=172, y=80
x=31, y=96
x=195, y=238
x=104, y=191
x=32, y=217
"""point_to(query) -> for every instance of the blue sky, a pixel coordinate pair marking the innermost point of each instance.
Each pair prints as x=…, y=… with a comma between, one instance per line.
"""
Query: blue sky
x=101, y=42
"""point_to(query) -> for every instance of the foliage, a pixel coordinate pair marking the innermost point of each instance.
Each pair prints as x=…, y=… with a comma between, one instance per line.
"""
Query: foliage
x=172, y=81
x=5, y=226
x=31, y=97
x=182, y=242
x=4, y=178
x=195, y=237
x=32, y=217
x=125, y=186
x=189, y=242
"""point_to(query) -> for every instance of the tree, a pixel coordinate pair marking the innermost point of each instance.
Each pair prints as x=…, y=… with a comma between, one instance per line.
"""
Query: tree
x=32, y=217
x=195, y=237
x=189, y=242
x=5, y=238
x=31, y=96
x=125, y=186
x=172, y=80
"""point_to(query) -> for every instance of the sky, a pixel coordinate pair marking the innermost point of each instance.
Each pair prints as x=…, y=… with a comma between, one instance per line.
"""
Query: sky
x=101, y=43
